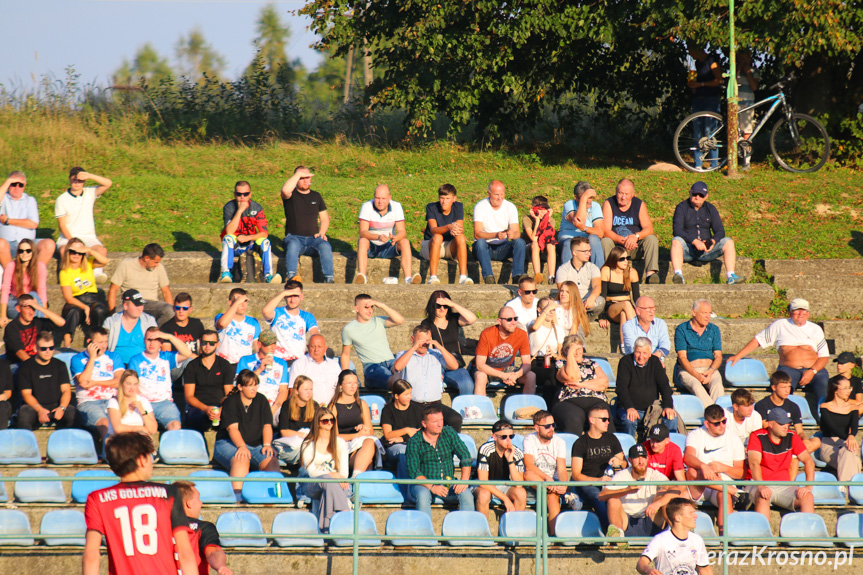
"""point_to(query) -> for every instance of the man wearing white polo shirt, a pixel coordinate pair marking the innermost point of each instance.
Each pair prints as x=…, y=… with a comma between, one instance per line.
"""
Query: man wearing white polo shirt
x=322, y=370
x=74, y=212
x=383, y=235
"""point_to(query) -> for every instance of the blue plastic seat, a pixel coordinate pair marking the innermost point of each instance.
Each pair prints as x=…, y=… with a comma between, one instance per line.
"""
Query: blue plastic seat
x=747, y=372
x=342, y=523
x=243, y=522
x=855, y=492
x=578, y=525
x=371, y=401
x=606, y=367
x=64, y=522
x=805, y=412
x=3, y=496
x=66, y=358
x=214, y=492
x=19, y=447
x=15, y=522
x=486, y=407
x=71, y=447
x=81, y=489
x=512, y=403
x=183, y=447
x=380, y=493
x=816, y=455
x=849, y=529
x=466, y=524
x=803, y=527
x=704, y=525
x=266, y=492
x=749, y=524
x=297, y=523
x=679, y=440
x=518, y=441
x=517, y=524
x=39, y=491
x=568, y=439
x=411, y=523
x=626, y=441
x=824, y=494
x=689, y=408
x=471, y=446
x=725, y=402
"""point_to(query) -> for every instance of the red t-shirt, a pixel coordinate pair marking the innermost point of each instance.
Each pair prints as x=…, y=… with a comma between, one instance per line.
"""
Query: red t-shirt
x=499, y=352
x=138, y=521
x=667, y=462
x=202, y=535
x=775, y=458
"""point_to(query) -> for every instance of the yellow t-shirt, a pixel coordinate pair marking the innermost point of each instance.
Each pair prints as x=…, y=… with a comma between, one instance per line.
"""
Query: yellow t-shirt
x=80, y=280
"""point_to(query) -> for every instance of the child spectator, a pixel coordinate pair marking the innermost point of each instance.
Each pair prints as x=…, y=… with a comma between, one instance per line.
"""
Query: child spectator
x=538, y=229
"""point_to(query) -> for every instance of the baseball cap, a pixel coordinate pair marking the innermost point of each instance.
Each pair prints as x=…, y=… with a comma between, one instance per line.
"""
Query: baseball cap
x=658, y=433
x=267, y=337
x=798, y=303
x=73, y=173
x=845, y=357
x=637, y=450
x=779, y=415
x=134, y=296
x=499, y=425
x=698, y=189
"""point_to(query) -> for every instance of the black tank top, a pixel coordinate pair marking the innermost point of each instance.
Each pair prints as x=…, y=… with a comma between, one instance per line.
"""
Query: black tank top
x=625, y=223
x=349, y=415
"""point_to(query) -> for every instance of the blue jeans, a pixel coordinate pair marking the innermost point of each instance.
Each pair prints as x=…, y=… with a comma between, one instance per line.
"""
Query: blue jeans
x=589, y=495
x=424, y=497
x=90, y=412
x=596, y=256
x=485, y=252
x=705, y=126
x=459, y=378
x=631, y=427
x=296, y=246
x=224, y=451
x=376, y=375
x=713, y=253
x=12, y=313
x=396, y=451
x=231, y=248
x=165, y=412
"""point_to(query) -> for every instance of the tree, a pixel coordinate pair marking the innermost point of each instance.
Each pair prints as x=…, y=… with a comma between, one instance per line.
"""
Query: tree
x=196, y=57
x=147, y=64
x=271, y=42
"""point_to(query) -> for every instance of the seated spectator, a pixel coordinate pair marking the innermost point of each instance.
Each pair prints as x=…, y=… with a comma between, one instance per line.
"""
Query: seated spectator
x=96, y=373
x=272, y=372
x=383, y=235
x=445, y=319
x=678, y=549
x=400, y=420
x=187, y=329
x=6, y=387
x=545, y=460
x=19, y=216
x=74, y=212
x=147, y=276
x=546, y=336
x=322, y=370
x=524, y=305
x=153, y=367
x=444, y=236
x=619, y=288
x=126, y=328
x=203, y=535
x=839, y=420
x=496, y=233
x=496, y=354
x=325, y=454
x=699, y=354
x=207, y=380
x=130, y=411
x=367, y=333
x=626, y=224
x=295, y=420
x=245, y=229
x=500, y=460
x=290, y=323
x=538, y=232
x=245, y=437
x=24, y=274
x=430, y=454
x=423, y=367
x=700, y=236
x=45, y=390
x=636, y=511
x=642, y=383
x=583, y=387
x=237, y=331
x=742, y=417
x=20, y=334
x=85, y=303
x=581, y=218
x=664, y=455
x=769, y=457
x=780, y=388
x=571, y=313
x=596, y=455
x=845, y=364
x=646, y=324
x=585, y=275
x=354, y=422
x=303, y=234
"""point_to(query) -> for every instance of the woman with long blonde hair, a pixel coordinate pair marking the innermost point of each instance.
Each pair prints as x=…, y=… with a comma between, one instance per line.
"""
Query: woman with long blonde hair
x=85, y=303
x=325, y=454
x=130, y=411
x=571, y=313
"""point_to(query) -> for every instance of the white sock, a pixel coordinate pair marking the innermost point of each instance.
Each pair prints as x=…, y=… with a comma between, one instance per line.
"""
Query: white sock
x=729, y=274
x=461, y=278
x=96, y=272
x=678, y=272
x=407, y=281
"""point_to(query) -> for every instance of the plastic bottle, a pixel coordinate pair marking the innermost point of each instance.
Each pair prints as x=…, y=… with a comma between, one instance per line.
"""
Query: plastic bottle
x=376, y=413
x=218, y=410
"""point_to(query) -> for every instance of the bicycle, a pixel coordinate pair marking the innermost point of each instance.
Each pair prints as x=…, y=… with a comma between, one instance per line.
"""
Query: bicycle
x=798, y=142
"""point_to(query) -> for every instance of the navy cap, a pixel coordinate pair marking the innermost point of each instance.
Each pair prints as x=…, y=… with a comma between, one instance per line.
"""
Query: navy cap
x=779, y=415
x=698, y=189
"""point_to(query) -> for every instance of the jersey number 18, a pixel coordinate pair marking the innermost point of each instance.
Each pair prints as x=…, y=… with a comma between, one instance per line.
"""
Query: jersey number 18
x=139, y=530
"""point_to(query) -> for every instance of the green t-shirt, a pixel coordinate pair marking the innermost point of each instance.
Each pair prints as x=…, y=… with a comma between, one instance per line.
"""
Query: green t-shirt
x=369, y=339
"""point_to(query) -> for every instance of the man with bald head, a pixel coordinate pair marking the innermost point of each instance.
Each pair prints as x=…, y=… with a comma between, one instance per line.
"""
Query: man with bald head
x=699, y=354
x=646, y=324
x=383, y=235
x=322, y=370
x=496, y=233
x=626, y=223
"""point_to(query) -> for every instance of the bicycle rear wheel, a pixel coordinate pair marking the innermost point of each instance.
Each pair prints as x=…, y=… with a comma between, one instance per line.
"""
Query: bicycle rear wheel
x=801, y=145
x=701, y=142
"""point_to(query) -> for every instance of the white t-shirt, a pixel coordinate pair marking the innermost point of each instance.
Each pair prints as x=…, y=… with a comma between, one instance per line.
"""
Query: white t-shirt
x=325, y=375
x=673, y=556
x=726, y=448
x=291, y=329
x=525, y=315
x=78, y=211
x=132, y=417
x=742, y=430
x=381, y=224
x=634, y=504
x=495, y=220
x=546, y=341
x=154, y=375
x=236, y=340
x=786, y=332
x=545, y=455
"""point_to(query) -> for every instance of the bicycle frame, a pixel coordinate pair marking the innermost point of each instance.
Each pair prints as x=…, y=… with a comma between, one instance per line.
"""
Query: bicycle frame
x=777, y=99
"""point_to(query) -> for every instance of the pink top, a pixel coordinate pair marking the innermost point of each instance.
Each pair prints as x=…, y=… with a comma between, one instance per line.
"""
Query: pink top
x=9, y=285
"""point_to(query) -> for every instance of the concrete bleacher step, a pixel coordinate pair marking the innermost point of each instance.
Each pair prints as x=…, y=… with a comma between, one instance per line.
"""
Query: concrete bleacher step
x=831, y=286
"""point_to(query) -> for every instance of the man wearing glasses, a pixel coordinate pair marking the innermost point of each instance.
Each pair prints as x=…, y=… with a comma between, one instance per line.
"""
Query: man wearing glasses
x=496, y=353
x=45, y=388
x=291, y=324
x=545, y=460
x=74, y=212
x=584, y=274
x=303, y=235
x=19, y=218
x=245, y=228
x=500, y=460
x=646, y=324
x=185, y=328
x=524, y=305
x=207, y=380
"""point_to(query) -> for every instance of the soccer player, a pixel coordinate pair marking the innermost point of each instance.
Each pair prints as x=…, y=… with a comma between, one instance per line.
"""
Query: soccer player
x=676, y=550
x=203, y=535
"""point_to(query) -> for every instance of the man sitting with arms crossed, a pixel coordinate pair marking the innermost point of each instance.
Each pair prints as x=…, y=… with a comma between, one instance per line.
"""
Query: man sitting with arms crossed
x=203, y=535
x=496, y=352
x=780, y=386
x=45, y=390
x=699, y=354
x=646, y=324
x=584, y=274
x=500, y=460
x=322, y=370
x=383, y=235
x=545, y=460
x=145, y=274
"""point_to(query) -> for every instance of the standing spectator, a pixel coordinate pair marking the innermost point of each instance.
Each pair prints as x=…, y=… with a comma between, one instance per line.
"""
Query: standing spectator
x=24, y=274
x=290, y=323
x=545, y=460
x=619, y=289
x=583, y=387
x=208, y=379
x=845, y=364
x=571, y=314
x=780, y=388
x=272, y=372
x=839, y=422
x=295, y=420
x=130, y=411
x=646, y=324
x=367, y=333
x=74, y=212
x=594, y=454
x=400, y=420
x=203, y=535
x=747, y=82
x=581, y=218
x=96, y=373
x=19, y=216
x=322, y=370
x=85, y=303
x=585, y=275
x=383, y=235
x=445, y=319
x=354, y=422
x=303, y=207
x=546, y=336
x=642, y=383
x=245, y=229
x=20, y=334
x=678, y=549
x=126, y=328
x=6, y=387
x=524, y=305
x=500, y=460
x=706, y=88
x=699, y=354
x=237, y=331
x=444, y=236
x=146, y=275
x=187, y=329
x=627, y=224
x=46, y=393
x=700, y=236
x=663, y=454
x=325, y=454
x=496, y=352
x=538, y=230
x=496, y=233
x=742, y=417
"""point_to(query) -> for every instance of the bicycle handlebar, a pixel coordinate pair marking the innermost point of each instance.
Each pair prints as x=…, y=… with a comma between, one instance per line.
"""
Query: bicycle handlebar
x=784, y=81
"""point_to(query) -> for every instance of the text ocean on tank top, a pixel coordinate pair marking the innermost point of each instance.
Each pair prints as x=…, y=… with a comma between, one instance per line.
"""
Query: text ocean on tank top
x=625, y=223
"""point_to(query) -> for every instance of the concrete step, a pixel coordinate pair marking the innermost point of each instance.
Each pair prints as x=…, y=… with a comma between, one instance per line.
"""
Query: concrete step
x=830, y=297
x=838, y=267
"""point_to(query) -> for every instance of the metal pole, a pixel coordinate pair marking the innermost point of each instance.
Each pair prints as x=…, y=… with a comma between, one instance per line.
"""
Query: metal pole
x=724, y=512
x=731, y=92
x=356, y=557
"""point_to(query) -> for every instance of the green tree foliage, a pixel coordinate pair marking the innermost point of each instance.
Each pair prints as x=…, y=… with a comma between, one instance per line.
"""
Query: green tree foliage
x=196, y=57
x=271, y=42
x=147, y=65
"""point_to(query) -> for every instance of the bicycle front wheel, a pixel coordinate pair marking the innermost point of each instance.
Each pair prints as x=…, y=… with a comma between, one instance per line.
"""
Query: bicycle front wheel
x=801, y=145
x=701, y=142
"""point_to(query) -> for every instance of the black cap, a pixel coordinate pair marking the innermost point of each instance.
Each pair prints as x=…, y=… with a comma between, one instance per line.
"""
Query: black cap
x=658, y=433
x=637, y=450
x=134, y=296
x=500, y=424
x=845, y=357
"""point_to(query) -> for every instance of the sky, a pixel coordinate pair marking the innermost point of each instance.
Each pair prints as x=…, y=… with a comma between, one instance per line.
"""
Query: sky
x=45, y=36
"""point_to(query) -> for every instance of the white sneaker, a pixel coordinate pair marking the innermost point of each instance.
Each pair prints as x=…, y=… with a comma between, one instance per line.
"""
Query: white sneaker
x=101, y=279
x=464, y=280
x=433, y=280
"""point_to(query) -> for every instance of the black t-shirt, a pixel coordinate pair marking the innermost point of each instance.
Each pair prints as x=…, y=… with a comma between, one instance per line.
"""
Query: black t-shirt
x=434, y=212
x=44, y=380
x=497, y=465
x=856, y=384
x=5, y=376
x=764, y=406
x=449, y=337
x=301, y=213
x=251, y=422
x=398, y=419
x=286, y=423
x=190, y=334
x=210, y=383
x=595, y=453
x=203, y=534
x=19, y=337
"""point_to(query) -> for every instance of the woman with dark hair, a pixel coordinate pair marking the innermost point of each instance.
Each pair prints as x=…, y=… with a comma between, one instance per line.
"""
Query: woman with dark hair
x=24, y=274
x=619, y=288
x=85, y=303
x=400, y=420
x=354, y=422
x=325, y=454
x=295, y=419
x=584, y=384
x=445, y=318
x=839, y=422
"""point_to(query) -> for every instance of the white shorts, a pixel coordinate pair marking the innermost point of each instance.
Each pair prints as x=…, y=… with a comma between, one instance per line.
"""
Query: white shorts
x=425, y=248
x=89, y=241
x=783, y=496
x=712, y=495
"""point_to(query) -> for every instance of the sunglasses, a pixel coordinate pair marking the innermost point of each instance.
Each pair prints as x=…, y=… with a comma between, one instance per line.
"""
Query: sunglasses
x=25, y=251
x=327, y=420
x=208, y=342
x=74, y=253
x=182, y=307
x=528, y=291
x=700, y=195
x=46, y=348
x=603, y=419
x=623, y=258
x=242, y=195
x=17, y=185
x=509, y=319
x=718, y=423
x=548, y=425
x=506, y=435
x=440, y=306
